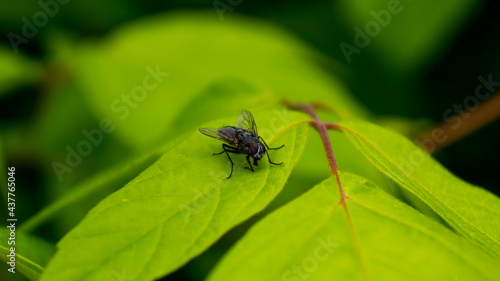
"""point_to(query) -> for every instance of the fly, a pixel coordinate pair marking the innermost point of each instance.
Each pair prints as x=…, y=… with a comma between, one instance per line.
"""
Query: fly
x=242, y=138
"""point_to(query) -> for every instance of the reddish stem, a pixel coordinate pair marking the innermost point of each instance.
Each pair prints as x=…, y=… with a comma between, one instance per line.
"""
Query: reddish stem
x=470, y=121
x=322, y=129
x=323, y=132
x=333, y=126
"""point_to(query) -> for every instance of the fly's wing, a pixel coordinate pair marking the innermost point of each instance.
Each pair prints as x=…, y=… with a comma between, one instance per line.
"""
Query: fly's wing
x=220, y=134
x=245, y=121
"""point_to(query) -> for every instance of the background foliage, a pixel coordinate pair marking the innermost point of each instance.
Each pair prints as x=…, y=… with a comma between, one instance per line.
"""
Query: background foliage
x=74, y=73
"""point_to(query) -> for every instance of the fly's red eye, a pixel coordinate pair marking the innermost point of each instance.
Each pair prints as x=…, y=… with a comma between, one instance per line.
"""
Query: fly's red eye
x=254, y=149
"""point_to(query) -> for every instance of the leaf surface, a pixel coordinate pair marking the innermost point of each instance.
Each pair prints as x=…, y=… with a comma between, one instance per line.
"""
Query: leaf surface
x=31, y=253
x=312, y=239
x=16, y=70
x=179, y=68
x=468, y=209
x=106, y=181
x=178, y=207
x=386, y=22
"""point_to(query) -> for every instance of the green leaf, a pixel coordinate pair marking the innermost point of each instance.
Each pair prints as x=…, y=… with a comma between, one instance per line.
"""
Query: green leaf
x=251, y=52
x=179, y=206
x=3, y=176
x=468, y=209
x=16, y=70
x=228, y=96
x=381, y=238
x=402, y=37
x=31, y=253
x=104, y=182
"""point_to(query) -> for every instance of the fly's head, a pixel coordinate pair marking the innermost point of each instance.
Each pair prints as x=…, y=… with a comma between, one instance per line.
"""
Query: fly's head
x=257, y=151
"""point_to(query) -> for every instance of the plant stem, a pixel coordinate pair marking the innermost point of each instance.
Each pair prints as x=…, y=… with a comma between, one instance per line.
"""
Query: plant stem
x=322, y=127
x=469, y=122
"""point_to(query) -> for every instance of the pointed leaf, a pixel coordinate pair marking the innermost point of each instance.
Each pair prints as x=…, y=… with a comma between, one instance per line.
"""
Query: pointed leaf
x=179, y=206
x=470, y=210
x=382, y=239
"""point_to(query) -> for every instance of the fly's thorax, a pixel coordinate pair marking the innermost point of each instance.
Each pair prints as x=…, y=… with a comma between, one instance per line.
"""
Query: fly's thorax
x=246, y=139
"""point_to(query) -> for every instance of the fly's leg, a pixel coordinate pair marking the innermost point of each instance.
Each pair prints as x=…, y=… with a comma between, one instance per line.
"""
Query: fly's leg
x=249, y=163
x=268, y=158
x=267, y=153
x=227, y=149
x=269, y=148
x=274, y=148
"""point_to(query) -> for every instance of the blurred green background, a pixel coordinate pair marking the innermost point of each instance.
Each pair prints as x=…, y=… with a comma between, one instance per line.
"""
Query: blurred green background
x=78, y=60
